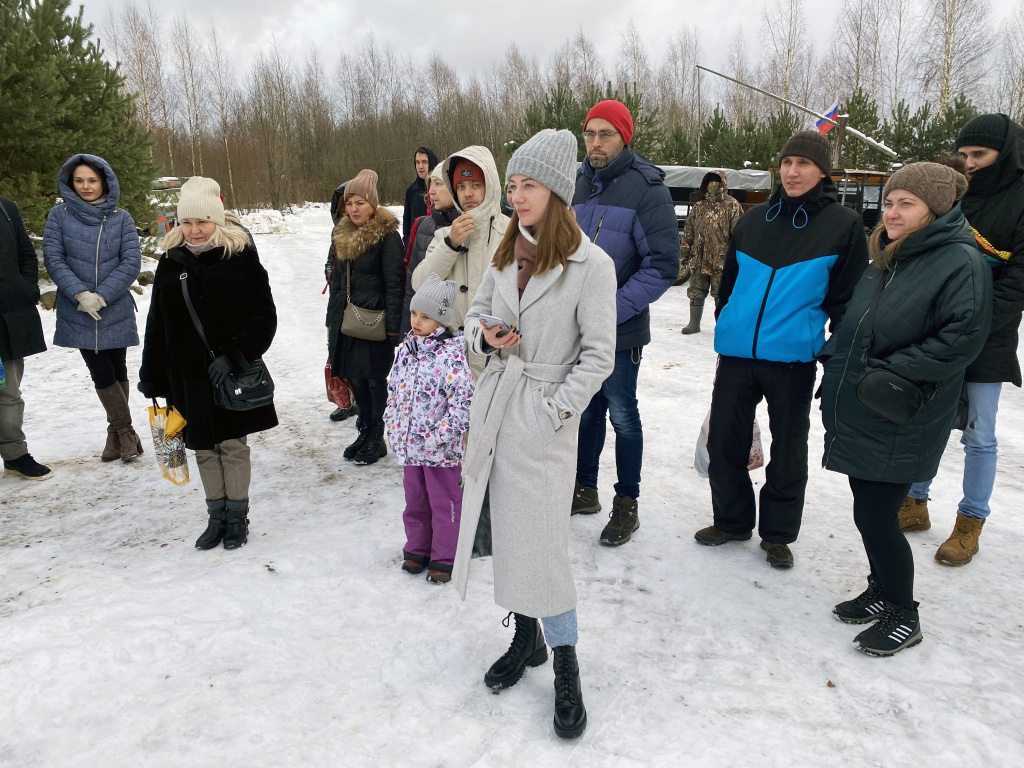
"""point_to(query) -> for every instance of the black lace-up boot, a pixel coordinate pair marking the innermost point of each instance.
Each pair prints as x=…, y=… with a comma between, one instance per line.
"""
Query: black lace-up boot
x=527, y=650
x=570, y=714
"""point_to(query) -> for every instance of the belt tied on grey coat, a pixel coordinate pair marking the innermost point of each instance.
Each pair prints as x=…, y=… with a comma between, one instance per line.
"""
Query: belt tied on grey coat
x=511, y=369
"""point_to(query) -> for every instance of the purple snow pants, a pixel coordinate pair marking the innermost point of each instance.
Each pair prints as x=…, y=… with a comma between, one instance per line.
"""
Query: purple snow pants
x=433, y=509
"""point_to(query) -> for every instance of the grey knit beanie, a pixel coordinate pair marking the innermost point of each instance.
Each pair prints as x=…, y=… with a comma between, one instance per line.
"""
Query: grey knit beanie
x=435, y=299
x=813, y=146
x=550, y=158
x=937, y=184
x=200, y=199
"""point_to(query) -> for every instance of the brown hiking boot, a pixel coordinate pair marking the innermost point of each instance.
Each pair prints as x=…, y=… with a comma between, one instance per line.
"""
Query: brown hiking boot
x=779, y=555
x=914, y=515
x=962, y=544
x=623, y=520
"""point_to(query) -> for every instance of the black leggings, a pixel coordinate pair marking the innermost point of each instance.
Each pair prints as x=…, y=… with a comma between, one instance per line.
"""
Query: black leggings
x=107, y=367
x=371, y=398
x=876, y=509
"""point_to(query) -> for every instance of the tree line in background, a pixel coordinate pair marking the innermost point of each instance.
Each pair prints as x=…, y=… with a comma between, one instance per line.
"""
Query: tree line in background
x=285, y=131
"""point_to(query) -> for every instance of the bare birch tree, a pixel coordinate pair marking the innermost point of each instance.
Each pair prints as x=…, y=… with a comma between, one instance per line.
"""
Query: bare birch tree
x=789, y=50
x=188, y=54
x=224, y=79
x=1010, y=88
x=953, y=49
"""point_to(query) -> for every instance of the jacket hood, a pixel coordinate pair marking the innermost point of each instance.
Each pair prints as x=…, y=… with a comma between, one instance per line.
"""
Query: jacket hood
x=351, y=242
x=948, y=229
x=336, y=198
x=431, y=159
x=90, y=214
x=702, y=193
x=1006, y=170
x=823, y=194
x=491, y=206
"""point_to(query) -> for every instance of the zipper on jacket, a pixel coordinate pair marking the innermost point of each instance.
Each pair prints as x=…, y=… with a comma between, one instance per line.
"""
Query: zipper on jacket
x=96, y=279
x=846, y=367
x=757, y=326
x=490, y=225
x=598, y=232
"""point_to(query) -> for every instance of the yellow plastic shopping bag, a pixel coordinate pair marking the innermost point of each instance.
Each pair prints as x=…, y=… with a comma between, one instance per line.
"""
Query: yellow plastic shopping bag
x=167, y=426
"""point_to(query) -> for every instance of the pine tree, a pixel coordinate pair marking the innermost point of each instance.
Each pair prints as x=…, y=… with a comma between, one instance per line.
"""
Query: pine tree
x=58, y=98
x=863, y=116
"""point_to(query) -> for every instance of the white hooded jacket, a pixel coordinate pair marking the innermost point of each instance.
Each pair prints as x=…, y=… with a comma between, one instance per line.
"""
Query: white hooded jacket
x=467, y=269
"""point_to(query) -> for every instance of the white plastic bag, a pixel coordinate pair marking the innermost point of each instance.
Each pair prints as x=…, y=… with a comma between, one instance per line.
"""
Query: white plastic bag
x=700, y=455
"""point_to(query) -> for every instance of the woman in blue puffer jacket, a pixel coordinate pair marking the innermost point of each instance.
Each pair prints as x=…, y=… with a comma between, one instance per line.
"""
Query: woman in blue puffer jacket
x=91, y=251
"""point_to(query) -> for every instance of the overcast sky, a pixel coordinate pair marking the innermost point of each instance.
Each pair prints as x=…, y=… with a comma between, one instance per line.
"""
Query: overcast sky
x=470, y=40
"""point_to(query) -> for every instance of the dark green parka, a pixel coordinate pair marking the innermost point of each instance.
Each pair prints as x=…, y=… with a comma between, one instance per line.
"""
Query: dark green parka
x=932, y=320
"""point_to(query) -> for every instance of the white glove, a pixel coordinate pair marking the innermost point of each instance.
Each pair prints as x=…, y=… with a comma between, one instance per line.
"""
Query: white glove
x=90, y=303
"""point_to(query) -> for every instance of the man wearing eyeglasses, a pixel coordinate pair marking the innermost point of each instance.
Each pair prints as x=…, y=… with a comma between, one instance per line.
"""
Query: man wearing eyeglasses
x=624, y=207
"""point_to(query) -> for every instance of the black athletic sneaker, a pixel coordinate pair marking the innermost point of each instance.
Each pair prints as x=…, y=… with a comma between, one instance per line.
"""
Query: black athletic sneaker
x=897, y=628
x=27, y=467
x=865, y=607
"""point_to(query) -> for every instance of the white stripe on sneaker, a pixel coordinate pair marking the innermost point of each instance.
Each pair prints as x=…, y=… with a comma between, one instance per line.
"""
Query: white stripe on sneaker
x=901, y=633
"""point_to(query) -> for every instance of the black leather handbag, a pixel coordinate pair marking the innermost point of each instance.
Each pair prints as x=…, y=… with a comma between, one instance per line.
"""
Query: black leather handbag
x=883, y=392
x=243, y=390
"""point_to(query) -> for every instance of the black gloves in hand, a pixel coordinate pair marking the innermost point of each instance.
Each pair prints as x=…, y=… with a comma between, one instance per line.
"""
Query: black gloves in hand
x=396, y=340
x=219, y=370
x=148, y=390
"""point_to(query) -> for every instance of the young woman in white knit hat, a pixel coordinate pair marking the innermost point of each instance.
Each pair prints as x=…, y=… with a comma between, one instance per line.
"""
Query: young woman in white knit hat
x=426, y=419
x=544, y=316
x=230, y=294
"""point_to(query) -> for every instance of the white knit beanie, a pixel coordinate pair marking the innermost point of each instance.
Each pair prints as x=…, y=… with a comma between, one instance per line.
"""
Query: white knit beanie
x=200, y=199
x=435, y=299
x=550, y=158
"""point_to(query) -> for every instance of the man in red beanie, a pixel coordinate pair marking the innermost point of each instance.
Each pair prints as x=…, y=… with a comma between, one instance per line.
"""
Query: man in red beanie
x=623, y=205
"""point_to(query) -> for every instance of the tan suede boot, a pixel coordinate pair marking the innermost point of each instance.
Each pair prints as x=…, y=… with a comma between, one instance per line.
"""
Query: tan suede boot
x=119, y=425
x=914, y=515
x=962, y=544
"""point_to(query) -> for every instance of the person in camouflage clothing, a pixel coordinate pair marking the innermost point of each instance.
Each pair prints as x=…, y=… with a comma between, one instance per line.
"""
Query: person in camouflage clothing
x=713, y=214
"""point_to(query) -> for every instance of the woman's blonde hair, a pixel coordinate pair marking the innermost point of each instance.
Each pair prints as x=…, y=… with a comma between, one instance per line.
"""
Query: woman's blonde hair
x=558, y=236
x=231, y=237
x=884, y=257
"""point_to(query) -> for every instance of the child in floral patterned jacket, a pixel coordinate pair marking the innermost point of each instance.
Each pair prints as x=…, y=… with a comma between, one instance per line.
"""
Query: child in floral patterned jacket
x=426, y=417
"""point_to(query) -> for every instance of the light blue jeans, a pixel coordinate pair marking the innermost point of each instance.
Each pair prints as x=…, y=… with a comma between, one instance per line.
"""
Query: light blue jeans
x=561, y=629
x=979, y=441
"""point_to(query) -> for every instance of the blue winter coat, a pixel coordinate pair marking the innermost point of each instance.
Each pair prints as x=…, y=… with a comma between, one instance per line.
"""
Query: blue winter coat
x=92, y=248
x=626, y=209
x=791, y=266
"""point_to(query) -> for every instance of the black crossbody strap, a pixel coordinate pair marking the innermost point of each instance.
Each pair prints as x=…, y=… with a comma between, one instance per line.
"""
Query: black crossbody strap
x=8, y=217
x=192, y=311
x=869, y=319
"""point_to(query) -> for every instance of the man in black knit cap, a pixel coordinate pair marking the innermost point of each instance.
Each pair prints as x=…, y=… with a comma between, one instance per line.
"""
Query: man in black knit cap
x=791, y=267
x=992, y=146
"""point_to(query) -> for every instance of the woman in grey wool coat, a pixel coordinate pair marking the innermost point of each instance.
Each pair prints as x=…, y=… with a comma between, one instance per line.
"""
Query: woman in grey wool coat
x=91, y=251
x=557, y=292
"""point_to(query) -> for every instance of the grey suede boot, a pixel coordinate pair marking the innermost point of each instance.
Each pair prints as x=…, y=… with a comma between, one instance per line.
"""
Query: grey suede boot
x=122, y=442
x=696, y=310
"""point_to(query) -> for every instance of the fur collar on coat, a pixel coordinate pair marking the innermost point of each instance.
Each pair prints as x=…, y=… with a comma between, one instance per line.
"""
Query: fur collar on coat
x=351, y=242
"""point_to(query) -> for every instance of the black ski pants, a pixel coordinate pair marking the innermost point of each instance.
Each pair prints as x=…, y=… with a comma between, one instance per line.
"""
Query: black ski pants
x=876, y=508
x=740, y=384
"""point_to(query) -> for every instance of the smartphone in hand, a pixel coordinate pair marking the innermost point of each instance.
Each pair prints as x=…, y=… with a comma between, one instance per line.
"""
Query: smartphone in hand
x=490, y=322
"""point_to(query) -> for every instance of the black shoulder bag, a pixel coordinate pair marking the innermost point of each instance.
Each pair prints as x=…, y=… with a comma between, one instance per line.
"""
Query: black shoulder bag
x=243, y=390
x=892, y=397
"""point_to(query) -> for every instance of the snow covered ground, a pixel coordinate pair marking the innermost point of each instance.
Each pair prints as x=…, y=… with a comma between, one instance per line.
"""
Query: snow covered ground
x=122, y=645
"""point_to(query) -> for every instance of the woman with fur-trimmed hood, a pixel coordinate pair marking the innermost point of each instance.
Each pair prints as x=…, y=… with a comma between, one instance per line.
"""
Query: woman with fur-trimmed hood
x=367, y=244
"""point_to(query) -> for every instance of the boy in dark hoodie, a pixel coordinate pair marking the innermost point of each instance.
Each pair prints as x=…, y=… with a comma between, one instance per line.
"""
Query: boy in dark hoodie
x=416, y=195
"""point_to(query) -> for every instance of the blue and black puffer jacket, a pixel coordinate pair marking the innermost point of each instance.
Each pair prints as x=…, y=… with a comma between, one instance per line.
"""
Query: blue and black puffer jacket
x=627, y=210
x=791, y=266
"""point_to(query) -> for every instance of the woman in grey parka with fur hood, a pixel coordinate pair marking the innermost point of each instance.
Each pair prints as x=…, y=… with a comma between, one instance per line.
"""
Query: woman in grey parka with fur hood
x=91, y=251
x=558, y=290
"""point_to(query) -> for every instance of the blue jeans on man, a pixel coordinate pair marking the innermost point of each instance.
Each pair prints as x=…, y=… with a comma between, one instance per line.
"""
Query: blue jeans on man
x=980, y=449
x=616, y=400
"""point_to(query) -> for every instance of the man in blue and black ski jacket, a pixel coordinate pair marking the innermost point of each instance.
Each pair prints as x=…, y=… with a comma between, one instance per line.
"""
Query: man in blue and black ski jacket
x=623, y=206
x=791, y=267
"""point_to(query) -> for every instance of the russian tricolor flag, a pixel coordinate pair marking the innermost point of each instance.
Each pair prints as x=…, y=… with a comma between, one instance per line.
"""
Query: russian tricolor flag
x=832, y=113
